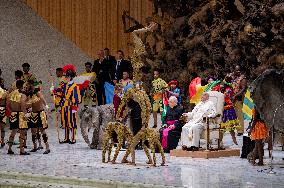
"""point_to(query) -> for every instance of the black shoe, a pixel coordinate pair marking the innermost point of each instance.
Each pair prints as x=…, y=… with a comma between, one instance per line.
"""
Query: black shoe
x=193, y=148
x=72, y=142
x=155, y=126
x=64, y=142
x=185, y=148
x=10, y=152
x=2, y=145
x=23, y=147
x=39, y=148
x=34, y=150
x=24, y=153
x=46, y=151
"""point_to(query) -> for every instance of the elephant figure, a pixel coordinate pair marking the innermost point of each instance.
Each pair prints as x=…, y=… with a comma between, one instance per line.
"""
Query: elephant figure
x=268, y=94
x=97, y=118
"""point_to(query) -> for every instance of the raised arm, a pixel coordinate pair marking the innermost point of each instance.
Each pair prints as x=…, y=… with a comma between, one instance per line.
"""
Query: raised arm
x=145, y=29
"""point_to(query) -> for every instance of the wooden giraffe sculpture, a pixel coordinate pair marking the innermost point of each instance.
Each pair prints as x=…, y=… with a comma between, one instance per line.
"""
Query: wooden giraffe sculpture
x=122, y=132
x=152, y=136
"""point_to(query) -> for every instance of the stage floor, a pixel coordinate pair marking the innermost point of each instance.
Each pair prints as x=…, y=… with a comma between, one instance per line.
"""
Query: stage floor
x=78, y=166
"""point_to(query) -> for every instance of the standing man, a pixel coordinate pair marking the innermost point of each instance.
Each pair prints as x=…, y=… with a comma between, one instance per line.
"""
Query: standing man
x=158, y=86
x=38, y=119
x=3, y=96
x=1, y=80
x=109, y=58
x=120, y=66
x=69, y=106
x=240, y=87
x=18, y=118
x=103, y=71
x=27, y=75
x=57, y=88
x=18, y=76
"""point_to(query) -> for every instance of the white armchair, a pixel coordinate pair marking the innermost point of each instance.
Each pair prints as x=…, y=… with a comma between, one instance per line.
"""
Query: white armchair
x=212, y=125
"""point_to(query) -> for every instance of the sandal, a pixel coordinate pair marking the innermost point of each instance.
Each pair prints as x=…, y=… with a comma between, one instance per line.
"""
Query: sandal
x=34, y=150
x=46, y=152
x=10, y=152
x=24, y=153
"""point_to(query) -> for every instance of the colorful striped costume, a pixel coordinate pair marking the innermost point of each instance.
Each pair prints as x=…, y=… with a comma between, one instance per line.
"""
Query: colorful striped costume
x=69, y=106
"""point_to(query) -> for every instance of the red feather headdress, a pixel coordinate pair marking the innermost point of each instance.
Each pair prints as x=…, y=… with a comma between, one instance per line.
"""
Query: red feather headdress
x=173, y=82
x=69, y=67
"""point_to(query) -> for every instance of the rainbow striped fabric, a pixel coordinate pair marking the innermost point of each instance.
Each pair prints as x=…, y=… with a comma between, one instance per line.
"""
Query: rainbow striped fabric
x=248, y=106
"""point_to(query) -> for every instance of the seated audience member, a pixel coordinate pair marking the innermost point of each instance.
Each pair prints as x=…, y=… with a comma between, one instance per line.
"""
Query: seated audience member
x=191, y=131
x=171, y=131
x=125, y=81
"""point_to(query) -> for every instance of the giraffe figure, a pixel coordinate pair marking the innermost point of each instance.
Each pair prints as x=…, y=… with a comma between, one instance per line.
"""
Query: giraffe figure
x=122, y=132
x=152, y=136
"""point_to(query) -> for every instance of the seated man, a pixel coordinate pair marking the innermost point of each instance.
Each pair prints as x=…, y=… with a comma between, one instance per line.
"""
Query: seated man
x=171, y=131
x=191, y=131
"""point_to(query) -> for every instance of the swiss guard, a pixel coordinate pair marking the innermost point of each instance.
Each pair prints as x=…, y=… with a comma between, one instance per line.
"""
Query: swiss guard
x=69, y=104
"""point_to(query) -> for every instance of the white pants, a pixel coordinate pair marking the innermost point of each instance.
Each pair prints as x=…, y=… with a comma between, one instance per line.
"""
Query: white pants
x=190, y=135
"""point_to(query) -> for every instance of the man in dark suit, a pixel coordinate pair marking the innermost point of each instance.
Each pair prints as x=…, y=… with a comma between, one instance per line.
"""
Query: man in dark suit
x=120, y=66
x=109, y=58
x=103, y=72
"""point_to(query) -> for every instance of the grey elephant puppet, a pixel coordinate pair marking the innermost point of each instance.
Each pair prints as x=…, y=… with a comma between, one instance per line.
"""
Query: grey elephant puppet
x=96, y=118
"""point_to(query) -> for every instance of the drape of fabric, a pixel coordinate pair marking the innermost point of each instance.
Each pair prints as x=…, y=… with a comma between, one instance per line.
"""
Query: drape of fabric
x=166, y=133
x=165, y=107
x=109, y=92
x=259, y=131
x=212, y=86
x=248, y=106
x=192, y=87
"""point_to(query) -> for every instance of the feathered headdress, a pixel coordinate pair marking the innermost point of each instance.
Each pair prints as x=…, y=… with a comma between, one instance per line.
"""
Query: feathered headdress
x=69, y=67
x=173, y=82
x=69, y=70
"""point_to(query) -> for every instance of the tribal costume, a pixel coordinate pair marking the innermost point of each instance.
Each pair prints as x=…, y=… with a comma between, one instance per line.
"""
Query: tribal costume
x=37, y=119
x=17, y=122
x=3, y=96
x=158, y=86
x=89, y=95
x=229, y=118
x=29, y=77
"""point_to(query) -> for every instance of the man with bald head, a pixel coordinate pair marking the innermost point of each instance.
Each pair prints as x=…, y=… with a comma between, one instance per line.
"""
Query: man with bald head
x=191, y=131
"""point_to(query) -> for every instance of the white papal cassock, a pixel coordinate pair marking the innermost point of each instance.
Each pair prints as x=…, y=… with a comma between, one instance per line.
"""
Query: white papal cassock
x=191, y=131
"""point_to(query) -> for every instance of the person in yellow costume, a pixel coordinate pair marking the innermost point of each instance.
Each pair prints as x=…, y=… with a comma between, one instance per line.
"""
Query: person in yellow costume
x=3, y=97
x=89, y=96
x=18, y=118
x=158, y=86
